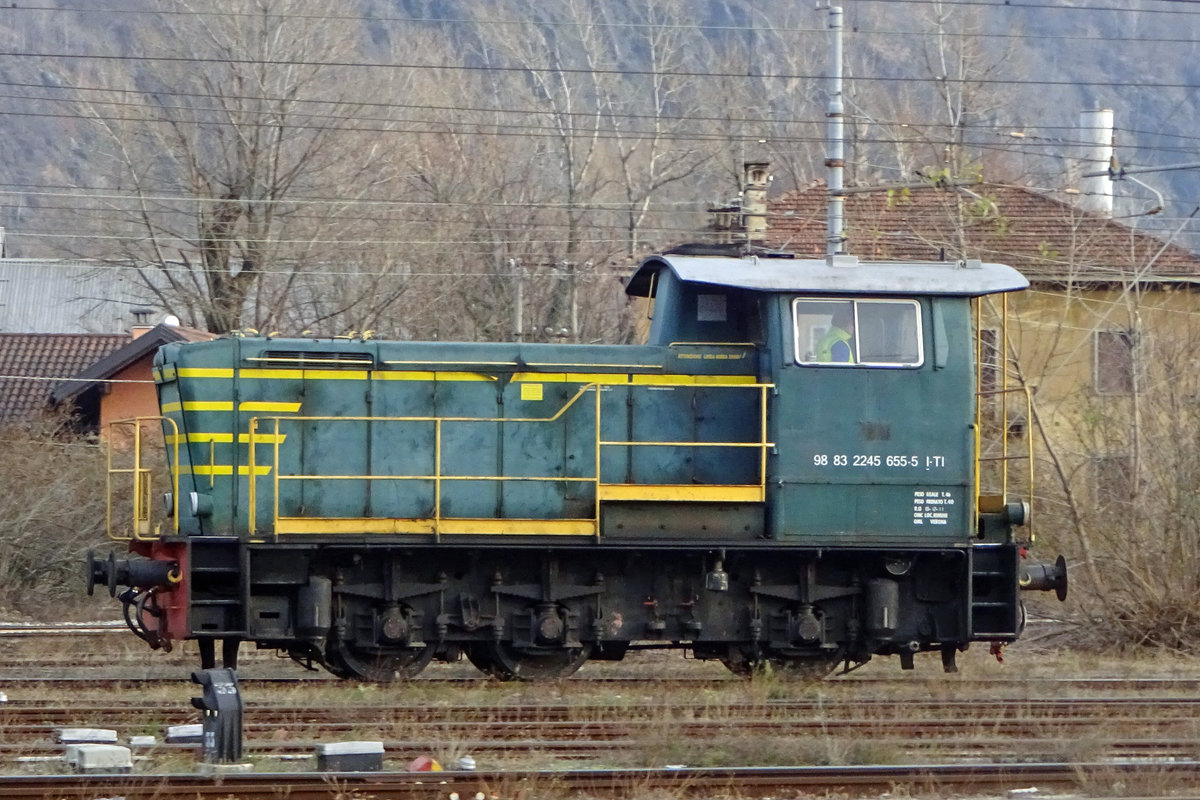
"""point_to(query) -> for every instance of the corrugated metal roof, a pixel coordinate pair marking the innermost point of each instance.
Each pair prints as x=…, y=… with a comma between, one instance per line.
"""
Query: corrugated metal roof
x=70, y=296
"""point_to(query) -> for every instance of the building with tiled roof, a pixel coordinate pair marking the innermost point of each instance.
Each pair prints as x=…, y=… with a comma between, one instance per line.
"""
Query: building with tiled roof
x=94, y=377
x=33, y=365
x=120, y=384
x=1038, y=232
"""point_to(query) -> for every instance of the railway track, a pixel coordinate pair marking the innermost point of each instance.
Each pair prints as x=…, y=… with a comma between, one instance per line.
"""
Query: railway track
x=789, y=781
x=826, y=711
x=600, y=753
x=106, y=677
x=9, y=630
x=461, y=678
x=27, y=662
x=949, y=730
x=981, y=734
x=24, y=663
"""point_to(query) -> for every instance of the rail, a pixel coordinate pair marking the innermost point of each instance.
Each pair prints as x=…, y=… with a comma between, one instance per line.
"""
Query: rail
x=947, y=779
x=141, y=527
x=440, y=523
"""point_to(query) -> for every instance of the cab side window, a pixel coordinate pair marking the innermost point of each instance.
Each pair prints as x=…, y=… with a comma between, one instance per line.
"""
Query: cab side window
x=866, y=333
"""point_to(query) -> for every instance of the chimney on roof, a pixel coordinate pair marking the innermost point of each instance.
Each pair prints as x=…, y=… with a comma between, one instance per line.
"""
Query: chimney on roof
x=141, y=321
x=755, y=177
x=1096, y=143
x=744, y=218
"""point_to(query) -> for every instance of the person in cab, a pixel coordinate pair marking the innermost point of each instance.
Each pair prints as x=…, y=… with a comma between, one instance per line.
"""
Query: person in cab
x=837, y=346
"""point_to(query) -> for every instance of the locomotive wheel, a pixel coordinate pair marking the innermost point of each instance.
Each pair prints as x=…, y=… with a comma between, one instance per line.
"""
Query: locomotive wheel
x=349, y=662
x=803, y=668
x=504, y=662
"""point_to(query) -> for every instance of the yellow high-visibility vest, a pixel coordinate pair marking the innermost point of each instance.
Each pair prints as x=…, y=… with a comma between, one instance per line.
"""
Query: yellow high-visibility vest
x=832, y=337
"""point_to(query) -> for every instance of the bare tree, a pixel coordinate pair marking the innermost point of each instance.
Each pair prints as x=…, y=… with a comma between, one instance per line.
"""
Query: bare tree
x=561, y=54
x=650, y=108
x=53, y=510
x=926, y=127
x=222, y=150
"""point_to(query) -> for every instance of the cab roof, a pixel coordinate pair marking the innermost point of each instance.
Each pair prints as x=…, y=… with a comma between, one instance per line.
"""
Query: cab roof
x=835, y=275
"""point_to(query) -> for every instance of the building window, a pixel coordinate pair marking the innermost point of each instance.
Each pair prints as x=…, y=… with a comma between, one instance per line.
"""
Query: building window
x=1114, y=362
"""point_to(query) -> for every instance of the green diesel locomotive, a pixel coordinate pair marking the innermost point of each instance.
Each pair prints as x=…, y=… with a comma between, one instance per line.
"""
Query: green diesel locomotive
x=796, y=470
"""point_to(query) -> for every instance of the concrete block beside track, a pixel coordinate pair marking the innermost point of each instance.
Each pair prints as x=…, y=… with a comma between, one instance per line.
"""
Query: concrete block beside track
x=185, y=734
x=350, y=757
x=98, y=758
x=86, y=735
x=204, y=768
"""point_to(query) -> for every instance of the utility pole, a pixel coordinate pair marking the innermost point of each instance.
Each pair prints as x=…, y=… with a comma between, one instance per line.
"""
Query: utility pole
x=835, y=161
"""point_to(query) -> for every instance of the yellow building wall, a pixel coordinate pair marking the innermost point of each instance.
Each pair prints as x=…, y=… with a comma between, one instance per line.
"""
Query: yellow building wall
x=1053, y=336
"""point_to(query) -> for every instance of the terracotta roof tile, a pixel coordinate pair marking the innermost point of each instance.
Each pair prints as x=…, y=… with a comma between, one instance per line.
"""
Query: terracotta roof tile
x=45, y=355
x=1043, y=237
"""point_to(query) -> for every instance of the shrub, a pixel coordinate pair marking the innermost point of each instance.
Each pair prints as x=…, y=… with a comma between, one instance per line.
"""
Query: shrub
x=52, y=509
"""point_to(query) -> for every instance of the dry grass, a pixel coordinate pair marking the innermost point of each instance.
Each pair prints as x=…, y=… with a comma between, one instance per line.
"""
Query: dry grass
x=661, y=711
x=1104, y=781
x=51, y=511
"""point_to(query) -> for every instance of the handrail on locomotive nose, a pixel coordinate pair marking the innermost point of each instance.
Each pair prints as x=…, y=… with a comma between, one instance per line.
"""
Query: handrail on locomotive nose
x=142, y=479
x=997, y=359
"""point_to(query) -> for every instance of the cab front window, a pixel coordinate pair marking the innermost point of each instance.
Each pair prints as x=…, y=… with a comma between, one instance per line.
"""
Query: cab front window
x=867, y=333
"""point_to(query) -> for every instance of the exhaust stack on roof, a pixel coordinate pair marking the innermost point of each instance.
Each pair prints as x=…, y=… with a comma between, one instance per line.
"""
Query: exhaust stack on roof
x=1096, y=144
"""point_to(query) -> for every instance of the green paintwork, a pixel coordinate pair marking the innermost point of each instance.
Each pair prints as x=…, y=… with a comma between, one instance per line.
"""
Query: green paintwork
x=478, y=384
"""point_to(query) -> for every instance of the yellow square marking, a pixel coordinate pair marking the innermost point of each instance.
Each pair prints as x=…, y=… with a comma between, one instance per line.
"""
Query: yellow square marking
x=531, y=391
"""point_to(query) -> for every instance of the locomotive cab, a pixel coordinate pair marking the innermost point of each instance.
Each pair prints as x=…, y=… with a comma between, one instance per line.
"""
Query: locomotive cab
x=880, y=446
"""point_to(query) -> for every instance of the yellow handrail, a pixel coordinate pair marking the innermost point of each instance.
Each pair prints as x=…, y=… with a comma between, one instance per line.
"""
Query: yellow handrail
x=141, y=478
x=1005, y=419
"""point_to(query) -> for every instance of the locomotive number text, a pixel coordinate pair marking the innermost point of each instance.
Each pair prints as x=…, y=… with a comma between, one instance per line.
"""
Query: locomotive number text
x=876, y=460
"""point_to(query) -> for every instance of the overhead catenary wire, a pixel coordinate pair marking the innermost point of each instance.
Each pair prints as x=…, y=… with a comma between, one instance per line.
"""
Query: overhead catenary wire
x=1169, y=7
x=72, y=379
x=999, y=127
x=523, y=67
x=593, y=71
x=411, y=126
